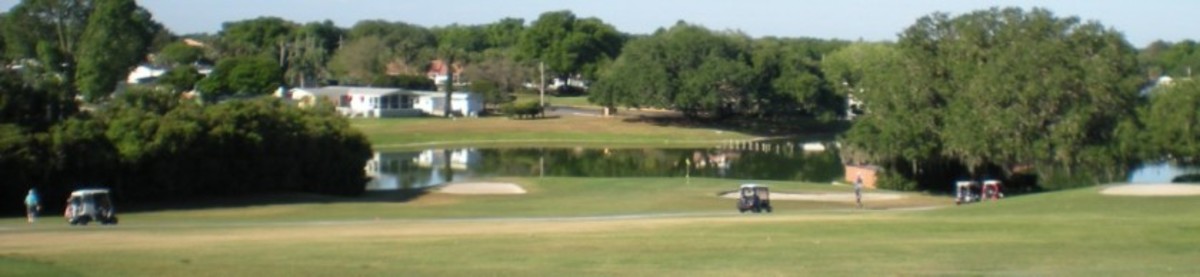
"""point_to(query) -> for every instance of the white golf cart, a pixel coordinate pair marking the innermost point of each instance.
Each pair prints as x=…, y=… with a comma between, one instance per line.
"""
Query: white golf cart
x=966, y=192
x=755, y=198
x=87, y=205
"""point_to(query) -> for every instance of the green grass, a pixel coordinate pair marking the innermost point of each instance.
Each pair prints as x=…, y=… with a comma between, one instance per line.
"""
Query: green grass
x=570, y=101
x=565, y=131
x=587, y=227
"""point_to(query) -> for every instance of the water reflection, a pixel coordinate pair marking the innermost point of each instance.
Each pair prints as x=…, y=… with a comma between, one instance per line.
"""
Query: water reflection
x=757, y=160
x=1160, y=172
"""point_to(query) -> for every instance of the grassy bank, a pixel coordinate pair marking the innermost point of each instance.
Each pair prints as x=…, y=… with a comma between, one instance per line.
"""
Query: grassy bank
x=624, y=227
x=564, y=131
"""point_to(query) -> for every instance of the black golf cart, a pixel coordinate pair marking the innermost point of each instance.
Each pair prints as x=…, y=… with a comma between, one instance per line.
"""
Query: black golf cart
x=755, y=198
x=87, y=205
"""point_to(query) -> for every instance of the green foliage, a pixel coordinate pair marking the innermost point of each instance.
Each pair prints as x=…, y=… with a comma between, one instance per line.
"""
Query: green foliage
x=522, y=109
x=490, y=92
x=686, y=68
x=181, y=78
x=891, y=181
x=999, y=87
x=413, y=82
x=568, y=45
x=117, y=38
x=255, y=37
x=1172, y=121
x=179, y=53
x=1179, y=59
x=241, y=77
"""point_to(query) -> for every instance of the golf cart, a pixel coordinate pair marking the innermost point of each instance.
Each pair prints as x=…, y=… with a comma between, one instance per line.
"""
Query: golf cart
x=991, y=190
x=965, y=192
x=755, y=198
x=87, y=205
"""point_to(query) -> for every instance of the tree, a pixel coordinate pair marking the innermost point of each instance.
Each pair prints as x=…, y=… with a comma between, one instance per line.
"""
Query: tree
x=570, y=46
x=309, y=52
x=995, y=89
x=490, y=92
x=686, y=68
x=179, y=53
x=360, y=60
x=181, y=78
x=850, y=69
x=500, y=69
x=47, y=32
x=504, y=33
x=241, y=77
x=261, y=36
x=117, y=38
x=788, y=78
x=1172, y=121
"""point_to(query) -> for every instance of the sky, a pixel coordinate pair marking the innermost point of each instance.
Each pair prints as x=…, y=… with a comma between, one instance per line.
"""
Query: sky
x=873, y=20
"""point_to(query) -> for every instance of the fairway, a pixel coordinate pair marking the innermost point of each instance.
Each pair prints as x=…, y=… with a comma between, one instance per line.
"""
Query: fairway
x=626, y=227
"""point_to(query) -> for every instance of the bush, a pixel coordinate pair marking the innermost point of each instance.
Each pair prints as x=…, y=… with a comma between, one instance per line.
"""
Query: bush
x=522, y=109
x=893, y=181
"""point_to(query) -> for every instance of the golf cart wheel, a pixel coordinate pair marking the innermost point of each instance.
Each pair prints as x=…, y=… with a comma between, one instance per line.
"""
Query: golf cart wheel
x=768, y=209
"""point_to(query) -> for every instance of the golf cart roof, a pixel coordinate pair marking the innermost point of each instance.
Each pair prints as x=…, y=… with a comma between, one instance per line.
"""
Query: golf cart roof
x=753, y=186
x=966, y=183
x=81, y=192
x=991, y=182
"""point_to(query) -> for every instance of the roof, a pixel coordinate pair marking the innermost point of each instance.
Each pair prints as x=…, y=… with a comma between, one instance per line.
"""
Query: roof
x=435, y=94
x=89, y=191
x=325, y=91
x=374, y=91
x=753, y=186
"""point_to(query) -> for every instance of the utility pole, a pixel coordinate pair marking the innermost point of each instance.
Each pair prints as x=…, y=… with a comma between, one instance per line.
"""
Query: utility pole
x=542, y=84
x=449, y=65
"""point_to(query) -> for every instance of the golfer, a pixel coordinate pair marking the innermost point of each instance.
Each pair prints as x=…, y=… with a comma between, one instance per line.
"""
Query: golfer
x=32, y=205
x=858, y=190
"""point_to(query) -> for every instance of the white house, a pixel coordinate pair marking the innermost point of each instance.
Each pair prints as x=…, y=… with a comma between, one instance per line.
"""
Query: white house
x=461, y=104
x=308, y=97
x=392, y=102
x=145, y=74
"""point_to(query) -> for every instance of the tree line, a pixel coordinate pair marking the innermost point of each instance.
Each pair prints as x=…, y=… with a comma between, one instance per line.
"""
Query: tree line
x=1045, y=101
x=62, y=127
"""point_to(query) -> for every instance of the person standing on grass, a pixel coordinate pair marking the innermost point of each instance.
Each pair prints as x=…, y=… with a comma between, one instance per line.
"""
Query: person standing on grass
x=858, y=190
x=32, y=205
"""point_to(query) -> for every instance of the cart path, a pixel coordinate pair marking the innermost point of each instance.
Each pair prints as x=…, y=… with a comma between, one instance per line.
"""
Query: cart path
x=54, y=224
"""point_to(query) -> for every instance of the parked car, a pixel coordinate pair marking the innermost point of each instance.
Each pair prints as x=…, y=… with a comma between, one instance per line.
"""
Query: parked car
x=755, y=198
x=87, y=205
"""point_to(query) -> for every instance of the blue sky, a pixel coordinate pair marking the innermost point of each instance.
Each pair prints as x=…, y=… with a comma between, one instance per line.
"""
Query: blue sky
x=1140, y=21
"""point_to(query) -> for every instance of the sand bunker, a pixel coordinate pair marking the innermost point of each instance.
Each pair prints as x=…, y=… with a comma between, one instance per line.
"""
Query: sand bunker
x=824, y=197
x=1153, y=190
x=482, y=188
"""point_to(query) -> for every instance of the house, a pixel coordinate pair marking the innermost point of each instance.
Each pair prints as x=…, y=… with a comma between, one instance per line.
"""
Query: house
x=438, y=70
x=145, y=74
x=393, y=102
x=308, y=97
x=462, y=103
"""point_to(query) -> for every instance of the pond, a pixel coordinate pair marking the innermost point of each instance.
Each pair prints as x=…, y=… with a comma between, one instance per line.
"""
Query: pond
x=773, y=160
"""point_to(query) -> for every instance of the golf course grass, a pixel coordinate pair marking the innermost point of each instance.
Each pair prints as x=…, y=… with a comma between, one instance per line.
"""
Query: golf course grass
x=400, y=133
x=624, y=227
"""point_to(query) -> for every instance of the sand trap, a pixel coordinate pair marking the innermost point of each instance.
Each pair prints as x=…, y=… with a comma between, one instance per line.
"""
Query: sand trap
x=1153, y=190
x=823, y=197
x=482, y=188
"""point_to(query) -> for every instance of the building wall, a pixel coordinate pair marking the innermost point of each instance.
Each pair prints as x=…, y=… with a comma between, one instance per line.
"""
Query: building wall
x=869, y=175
